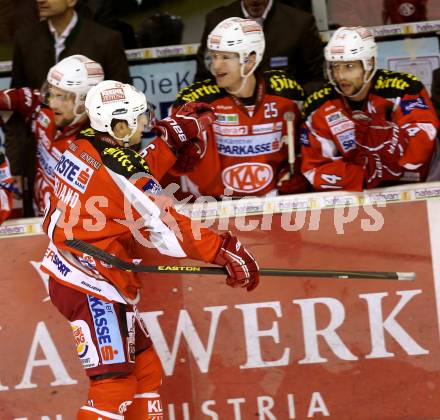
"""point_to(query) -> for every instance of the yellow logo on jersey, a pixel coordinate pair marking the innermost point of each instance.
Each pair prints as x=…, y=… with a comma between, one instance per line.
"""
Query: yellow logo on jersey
x=196, y=94
x=315, y=96
x=125, y=159
x=279, y=82
x=88, y=132
x=395, y=82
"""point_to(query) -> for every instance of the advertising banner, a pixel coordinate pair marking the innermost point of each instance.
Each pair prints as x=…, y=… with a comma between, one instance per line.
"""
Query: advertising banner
x=294, y=348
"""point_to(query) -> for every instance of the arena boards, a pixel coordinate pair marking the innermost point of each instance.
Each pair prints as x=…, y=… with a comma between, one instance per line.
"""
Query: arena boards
x=295, y=348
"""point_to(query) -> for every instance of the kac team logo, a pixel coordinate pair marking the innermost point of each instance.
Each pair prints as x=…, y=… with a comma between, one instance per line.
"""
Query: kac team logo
x=247, y=177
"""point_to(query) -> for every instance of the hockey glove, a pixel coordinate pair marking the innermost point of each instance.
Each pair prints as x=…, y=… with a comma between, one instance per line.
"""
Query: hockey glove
x=292, y=184
x=187, y=123
x=190, y=155
x=240, y=264
x=380, y=144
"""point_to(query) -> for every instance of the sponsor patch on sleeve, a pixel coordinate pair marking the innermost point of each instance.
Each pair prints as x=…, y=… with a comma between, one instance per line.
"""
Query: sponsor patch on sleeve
x=152, y=187
x=304, y=136
x=410, y=104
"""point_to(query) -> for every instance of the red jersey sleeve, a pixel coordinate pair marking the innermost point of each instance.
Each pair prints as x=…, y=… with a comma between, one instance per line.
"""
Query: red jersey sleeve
x=416, y=115
x=323, y=163
x=21, y=100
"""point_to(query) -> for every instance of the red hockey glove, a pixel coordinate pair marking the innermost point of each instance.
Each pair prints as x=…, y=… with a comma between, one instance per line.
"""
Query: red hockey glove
x=380, y=145
x=185, y=124
x=292, y=184
x=190, y=155
x=240, y=264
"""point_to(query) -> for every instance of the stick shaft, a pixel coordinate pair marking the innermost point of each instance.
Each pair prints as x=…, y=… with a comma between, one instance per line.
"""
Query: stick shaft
x=116, y=262
x=290, y=118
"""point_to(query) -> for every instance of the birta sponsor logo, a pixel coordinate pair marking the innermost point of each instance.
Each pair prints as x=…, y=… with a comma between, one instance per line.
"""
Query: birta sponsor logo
x=280, y=82
x=120, y=156
x=177, y=268
x=316, y=96
x=196, y=93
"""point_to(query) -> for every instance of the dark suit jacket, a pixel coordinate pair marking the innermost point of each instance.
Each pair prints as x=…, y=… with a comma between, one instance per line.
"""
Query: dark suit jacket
x=291, y=38
x=34, y=55
x=34, y=52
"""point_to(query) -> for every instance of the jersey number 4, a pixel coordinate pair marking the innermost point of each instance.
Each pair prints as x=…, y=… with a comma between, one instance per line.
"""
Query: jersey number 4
x=330, y=179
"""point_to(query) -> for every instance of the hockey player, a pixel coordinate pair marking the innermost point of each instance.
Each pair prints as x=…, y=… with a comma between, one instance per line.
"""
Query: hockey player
x=368, y=126
x=106, y=196
x=6, y=189
x=56, y=114
x=245, y=151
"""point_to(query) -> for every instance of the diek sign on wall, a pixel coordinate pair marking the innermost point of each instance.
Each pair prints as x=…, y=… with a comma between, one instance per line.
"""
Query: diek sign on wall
x=162, y=81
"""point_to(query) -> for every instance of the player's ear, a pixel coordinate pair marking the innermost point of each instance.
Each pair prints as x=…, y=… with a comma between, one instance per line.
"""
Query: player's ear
x=120, y=128
x=250, y=63
x=252, y=58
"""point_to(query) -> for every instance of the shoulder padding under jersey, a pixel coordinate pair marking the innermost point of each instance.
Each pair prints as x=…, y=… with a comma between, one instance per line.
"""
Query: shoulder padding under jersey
x=392, y=84
x=204, y=91
x=280, y=83
x=124, y=161
x=119, y=159
x=317, y=98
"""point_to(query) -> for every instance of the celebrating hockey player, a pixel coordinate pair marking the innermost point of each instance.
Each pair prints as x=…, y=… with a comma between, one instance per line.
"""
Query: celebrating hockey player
x=56, y=114
x=6, y=188
x=368, y=126
x=245, y=152
x=105, y=195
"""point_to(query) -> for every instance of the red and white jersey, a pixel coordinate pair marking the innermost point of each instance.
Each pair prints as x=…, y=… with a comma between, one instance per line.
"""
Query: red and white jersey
x=6, y=184
x=50, y=141
x=328, y=134
x=105, y=195
x=245, y=145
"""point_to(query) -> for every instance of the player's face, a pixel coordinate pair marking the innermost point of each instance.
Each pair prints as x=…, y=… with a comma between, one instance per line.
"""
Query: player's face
x=62, y=104
x=52, y=8
x=349, y=76
x=225, y=67
x=142, y=122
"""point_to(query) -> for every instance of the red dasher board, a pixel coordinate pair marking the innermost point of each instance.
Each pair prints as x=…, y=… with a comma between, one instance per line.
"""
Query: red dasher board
x=295, y=348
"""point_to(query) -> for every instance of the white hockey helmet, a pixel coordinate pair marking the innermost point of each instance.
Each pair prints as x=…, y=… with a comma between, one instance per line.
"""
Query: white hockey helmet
x=111, y=100
x=76, y=74
x=352, y=44
x=241, y=36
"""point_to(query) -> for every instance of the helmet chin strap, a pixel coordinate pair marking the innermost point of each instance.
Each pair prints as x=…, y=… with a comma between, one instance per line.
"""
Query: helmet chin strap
x=125, y=140
x=243, y=80
x=78, y=115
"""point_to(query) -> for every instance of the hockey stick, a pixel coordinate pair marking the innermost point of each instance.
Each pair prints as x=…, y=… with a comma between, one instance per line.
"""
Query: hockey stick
x=289, y=117
x=116, y=262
